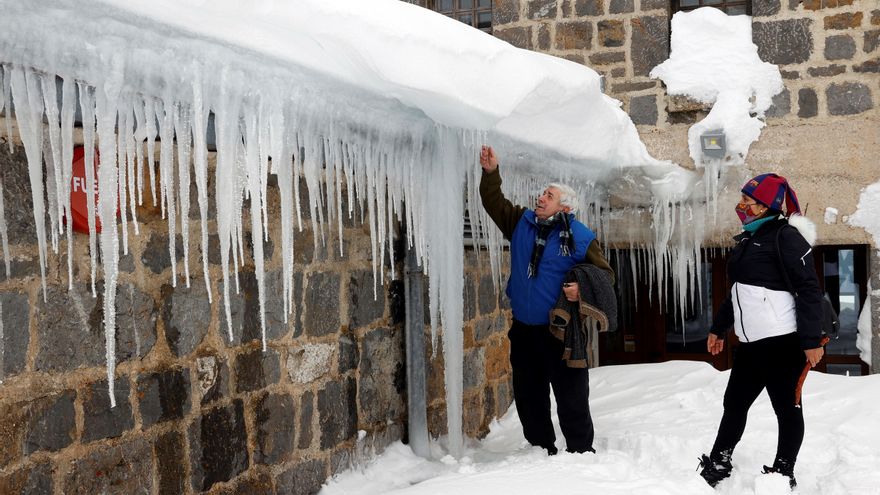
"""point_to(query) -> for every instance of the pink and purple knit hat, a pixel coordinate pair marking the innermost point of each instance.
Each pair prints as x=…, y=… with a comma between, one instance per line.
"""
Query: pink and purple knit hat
x=772, y=191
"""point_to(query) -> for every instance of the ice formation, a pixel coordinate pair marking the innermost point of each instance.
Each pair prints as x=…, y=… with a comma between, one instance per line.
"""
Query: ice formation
x=357, y=98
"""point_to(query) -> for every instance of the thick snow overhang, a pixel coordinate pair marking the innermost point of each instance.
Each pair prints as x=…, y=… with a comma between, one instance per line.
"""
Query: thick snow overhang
x=390, y=99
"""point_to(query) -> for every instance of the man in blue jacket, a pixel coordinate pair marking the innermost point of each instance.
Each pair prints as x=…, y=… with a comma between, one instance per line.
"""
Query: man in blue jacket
x=545, y=243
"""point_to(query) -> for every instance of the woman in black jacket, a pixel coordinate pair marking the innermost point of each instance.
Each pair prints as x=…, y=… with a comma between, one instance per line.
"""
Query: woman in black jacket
x=775, y=308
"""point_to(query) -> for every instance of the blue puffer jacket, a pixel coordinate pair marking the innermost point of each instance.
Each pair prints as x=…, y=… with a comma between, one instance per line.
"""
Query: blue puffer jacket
x=532, y=298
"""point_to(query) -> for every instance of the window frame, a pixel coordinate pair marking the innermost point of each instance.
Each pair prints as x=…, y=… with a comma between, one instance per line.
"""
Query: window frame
x=457, y=11
x=675, y=6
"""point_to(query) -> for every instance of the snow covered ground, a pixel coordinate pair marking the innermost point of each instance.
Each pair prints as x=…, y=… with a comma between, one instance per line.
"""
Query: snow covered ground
x=652, y=422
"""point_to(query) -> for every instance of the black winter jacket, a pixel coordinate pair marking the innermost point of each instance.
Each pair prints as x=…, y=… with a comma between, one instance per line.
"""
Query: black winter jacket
x=754, y=261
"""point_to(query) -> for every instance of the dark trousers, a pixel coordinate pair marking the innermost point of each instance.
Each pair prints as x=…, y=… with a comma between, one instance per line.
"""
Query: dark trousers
x=774, y=363
x=536, y=360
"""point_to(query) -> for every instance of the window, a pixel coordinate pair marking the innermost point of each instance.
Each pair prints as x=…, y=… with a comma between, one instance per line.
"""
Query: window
x=476, y=13
x=688, y=328
x=731, y=7
x=843, y=272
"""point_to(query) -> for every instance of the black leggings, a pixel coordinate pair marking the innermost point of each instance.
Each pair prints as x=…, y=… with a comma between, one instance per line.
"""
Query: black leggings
x=773, y=363
x=536, y=360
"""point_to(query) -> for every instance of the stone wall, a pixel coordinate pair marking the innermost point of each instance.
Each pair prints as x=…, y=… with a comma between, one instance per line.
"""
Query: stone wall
x=196, y=412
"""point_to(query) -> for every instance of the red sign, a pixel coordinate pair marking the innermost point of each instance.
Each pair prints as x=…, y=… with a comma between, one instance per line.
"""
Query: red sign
x=79, y=192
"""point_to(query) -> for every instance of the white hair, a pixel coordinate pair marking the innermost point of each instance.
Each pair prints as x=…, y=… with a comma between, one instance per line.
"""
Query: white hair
x=567, y=196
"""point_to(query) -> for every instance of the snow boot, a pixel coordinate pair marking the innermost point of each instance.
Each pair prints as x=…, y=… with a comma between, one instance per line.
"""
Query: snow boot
x=783, y=467
x=715, y=468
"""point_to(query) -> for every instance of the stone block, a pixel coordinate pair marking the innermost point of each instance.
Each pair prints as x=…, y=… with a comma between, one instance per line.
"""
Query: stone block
x=846, y=20
x=309, y=362
x=186, y=316
x=781, y=105
x=605, y=58
x=827, y=71
x=99, y=419
x=382, y=381
x=542, y=9
x=337, y=410
x=170, y=467
x=50, y=423
x=70, y=327
x=634, y=86
x=543, y=37
x=655, y=4
x=364, y=306
x=122, y=469
x=163, y=396
x=875, y=17
x=618, y=72
x=872, y=40
x=255, y=369
x=34, y=479
x=26, y=267
x=503, y=398
x=520, y=37
x=808, y=103
x=840, y=47
x=575, y=57
x=245, y=309
x=487, y=295
x=483, y=328
x=348, y=354
x=611, y=33
x=497, y=359
x=764, y=8
x=505, y=12
x=212, y=379
x=156, y=255
x=872, y=65
x=790, y=74
x=474, y=368
x=218, y=446
x=306, y=413
x=253, y=483
x=573, y=35
x=848, y=98
x=274, y=427
x=17, y=197
x=650, y=43
x=470, y=294
x=14, y=332
x=620, y=6
x=643, y=110
x=304, y=478
x=589, y=7
x=783, y=42
x=322, y=293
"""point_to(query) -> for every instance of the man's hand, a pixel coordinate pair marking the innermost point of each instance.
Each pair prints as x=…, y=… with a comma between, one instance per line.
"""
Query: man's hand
x=488, y=160
x=714, y=344
x=571, y=291
x=814, y=356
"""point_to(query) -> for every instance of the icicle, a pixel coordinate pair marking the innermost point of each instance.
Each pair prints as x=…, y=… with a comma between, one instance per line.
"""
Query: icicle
x=254, y=168
x=68, y=110
x=200, y=165
x=7, y=97
x=29, y=115
x=122, y=131
x=150, y=129
x=107, y=96
x=166, y=168
x=53, y=170
x=283, y=168
x=87, y=107
x=132, y=158
x=184, y=146
x=3, y=234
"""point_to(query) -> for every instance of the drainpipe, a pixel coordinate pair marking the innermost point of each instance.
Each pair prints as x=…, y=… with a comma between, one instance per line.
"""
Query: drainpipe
x=413, y=285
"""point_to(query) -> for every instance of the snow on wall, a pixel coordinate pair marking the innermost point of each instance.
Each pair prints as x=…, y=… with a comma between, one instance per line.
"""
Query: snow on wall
x=388, y=99
x=713, y=60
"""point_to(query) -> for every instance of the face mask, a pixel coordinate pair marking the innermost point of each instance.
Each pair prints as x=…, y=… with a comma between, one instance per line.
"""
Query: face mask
x=744, y=212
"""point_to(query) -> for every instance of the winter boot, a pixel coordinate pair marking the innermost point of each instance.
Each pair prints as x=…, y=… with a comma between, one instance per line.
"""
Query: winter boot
x=715, y=468
x=783, y=467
